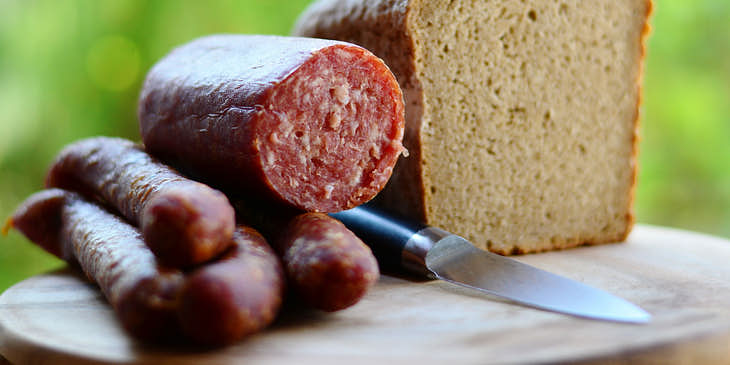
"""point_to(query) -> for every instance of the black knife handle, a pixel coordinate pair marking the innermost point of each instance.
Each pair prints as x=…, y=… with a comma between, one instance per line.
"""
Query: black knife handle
x=385, y=233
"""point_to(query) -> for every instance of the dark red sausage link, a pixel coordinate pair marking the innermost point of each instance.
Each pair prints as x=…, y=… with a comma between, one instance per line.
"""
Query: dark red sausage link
x=327, y=266
x=312, y=123
x=111, y=253
x=236, y=295
x=183, y=221
x=218, y=303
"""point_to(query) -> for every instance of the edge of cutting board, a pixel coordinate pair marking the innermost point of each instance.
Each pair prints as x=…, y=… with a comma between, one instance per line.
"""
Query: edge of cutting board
x=682, y=278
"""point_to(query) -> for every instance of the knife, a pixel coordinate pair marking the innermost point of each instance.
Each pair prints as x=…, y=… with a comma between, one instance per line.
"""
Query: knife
x=428, y=251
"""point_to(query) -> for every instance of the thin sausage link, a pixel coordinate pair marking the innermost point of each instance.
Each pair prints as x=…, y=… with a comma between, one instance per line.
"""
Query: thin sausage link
x=111, y=253
x=327, y=266
x=237, y=295
x=183, y=221
x=218, y=303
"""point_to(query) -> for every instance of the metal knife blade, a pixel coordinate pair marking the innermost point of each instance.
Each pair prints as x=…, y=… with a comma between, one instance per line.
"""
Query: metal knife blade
x=435, y=253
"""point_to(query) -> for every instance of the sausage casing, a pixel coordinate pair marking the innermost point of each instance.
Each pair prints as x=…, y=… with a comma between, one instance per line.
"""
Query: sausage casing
x=237, y=295
x=326, y=264
x=184, y=222
x=218, y=303
x=111, y=252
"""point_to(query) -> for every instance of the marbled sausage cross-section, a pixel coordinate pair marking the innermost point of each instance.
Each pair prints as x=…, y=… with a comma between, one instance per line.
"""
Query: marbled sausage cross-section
x=313, y=123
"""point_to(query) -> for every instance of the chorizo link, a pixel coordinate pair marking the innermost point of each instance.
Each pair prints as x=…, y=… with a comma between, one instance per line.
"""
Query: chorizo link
x=143, y=294
x=218, y=303
x=184, y=222
x=315, y=124
x=327, y=266
x=330, y=268
x=236, y=295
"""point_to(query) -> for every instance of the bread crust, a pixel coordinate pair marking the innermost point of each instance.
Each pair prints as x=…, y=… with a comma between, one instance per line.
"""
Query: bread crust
x=643, y=36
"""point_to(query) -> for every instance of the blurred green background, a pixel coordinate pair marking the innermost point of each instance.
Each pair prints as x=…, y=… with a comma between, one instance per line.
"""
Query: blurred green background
x=72, y=69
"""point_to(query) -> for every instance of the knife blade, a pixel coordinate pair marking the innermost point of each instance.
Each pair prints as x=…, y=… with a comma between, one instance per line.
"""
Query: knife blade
x=428, y=251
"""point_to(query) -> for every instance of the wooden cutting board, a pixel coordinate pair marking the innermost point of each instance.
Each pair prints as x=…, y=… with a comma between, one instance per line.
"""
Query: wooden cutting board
x=682, y=278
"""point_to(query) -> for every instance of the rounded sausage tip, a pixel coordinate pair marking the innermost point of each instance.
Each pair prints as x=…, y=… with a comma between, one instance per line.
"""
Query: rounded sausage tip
x=186, y=227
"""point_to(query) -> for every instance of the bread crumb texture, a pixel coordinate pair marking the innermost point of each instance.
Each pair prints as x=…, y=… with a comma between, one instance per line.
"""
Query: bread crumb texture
x=521, y=115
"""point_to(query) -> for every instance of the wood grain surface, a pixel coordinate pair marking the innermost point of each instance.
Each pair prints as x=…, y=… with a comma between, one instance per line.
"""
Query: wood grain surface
x=682, y=278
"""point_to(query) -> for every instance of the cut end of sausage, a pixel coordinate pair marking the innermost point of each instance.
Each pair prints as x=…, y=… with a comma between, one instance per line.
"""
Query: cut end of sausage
x=329, y=135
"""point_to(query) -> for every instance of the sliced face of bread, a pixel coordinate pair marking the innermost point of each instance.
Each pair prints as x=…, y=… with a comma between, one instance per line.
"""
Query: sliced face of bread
x=521, y=116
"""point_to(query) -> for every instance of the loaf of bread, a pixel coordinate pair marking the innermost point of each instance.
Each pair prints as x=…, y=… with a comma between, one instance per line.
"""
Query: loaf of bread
x=521, y=116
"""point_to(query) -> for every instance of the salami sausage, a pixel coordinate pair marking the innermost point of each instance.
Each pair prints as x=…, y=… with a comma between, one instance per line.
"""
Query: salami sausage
x=111, y=253
x=312, y=123
x=183, y=221
x=217, y=303
x=236, y=295
x=327, y=266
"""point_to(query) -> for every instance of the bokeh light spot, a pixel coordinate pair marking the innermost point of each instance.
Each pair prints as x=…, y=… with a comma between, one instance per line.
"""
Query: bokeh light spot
x=113, y=63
